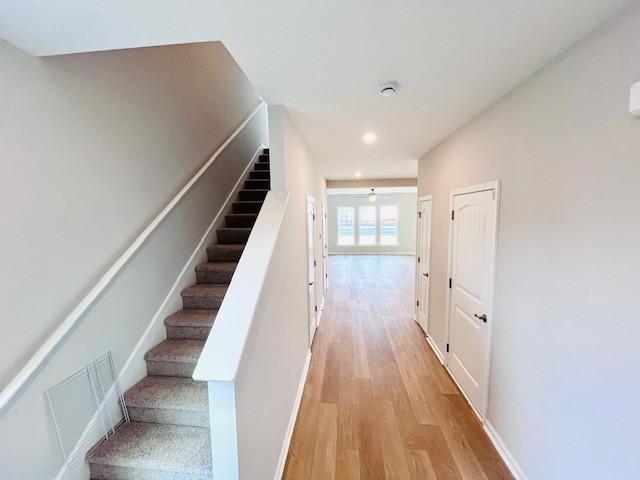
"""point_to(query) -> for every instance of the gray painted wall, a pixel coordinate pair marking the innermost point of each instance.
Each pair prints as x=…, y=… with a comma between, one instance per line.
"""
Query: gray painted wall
x=407, y=212
x=111, y=138
x=564, y=384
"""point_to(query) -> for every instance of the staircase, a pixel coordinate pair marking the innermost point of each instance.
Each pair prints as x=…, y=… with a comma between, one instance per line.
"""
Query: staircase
x=168, y=437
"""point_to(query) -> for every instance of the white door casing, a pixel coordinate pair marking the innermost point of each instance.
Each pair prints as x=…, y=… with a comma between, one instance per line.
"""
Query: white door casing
x=472, y=252
x=423, y=263
x=311, y=267
x=325, y=249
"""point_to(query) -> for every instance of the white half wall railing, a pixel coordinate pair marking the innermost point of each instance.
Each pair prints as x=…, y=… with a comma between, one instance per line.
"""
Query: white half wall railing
x=71, y=320
x=223, y=352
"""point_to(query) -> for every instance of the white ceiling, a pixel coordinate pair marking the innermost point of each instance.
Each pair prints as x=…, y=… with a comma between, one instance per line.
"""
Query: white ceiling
x=324, y=59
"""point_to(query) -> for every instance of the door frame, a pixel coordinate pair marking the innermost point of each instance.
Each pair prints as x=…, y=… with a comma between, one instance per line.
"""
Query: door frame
x=481, y=187
x=312, y=200
x=422, y=198
x=325, y=250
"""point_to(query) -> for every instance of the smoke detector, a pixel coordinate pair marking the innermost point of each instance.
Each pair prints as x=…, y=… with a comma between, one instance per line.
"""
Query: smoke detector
x=388, y=88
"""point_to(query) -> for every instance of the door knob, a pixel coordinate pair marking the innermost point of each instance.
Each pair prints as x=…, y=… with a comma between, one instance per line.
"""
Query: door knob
x=425, y=274
x=310, y=283
x=482, y=317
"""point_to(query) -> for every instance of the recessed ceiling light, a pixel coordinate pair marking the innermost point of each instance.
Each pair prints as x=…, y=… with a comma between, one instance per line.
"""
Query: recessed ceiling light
x=358, y=174
x=369, y=137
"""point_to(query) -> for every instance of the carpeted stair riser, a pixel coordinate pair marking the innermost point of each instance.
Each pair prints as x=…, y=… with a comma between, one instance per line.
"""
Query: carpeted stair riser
x=252, y=195
x=203, y=296
x=224, y=253
x=188, y=333
x=247, y=207
x=235, y=220
x=201, y=302
x=215, y=272
x=263, y=158
x=169, y=416
x=228, y=236
x=116, y=472
x=260, y=175
x=170, y=369
x=261, y=166
x=150, y=451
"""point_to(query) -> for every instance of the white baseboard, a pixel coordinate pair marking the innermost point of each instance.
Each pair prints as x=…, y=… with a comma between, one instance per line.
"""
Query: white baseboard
x=514, y=467
x=134, y=365
x=435, y=349
x=292, y=420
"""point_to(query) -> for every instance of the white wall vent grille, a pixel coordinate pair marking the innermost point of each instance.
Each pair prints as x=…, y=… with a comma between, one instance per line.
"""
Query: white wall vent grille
x=86, y=407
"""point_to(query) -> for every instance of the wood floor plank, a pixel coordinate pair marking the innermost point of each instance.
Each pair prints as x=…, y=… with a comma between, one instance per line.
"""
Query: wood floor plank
x=377, y=402
x=420, y=466
x=324, y=454
x=348, y=467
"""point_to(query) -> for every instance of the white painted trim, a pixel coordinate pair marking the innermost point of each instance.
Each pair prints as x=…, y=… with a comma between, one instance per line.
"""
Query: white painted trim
x=503, y=451
x=482, y=187
x=423, y=198
x=224, y=429
x=312, y=235
x=435, y=349
x=224, y=348
x=68, y=324
x=188, y=267
x=292, y=419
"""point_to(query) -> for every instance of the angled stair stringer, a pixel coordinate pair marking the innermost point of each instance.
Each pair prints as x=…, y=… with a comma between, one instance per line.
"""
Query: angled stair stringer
x=168, y=437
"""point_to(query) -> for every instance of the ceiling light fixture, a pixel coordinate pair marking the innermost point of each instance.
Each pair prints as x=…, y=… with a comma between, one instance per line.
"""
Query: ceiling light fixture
x=369, y=137
x=358, y=174
x=387, y=89
x=372, y=196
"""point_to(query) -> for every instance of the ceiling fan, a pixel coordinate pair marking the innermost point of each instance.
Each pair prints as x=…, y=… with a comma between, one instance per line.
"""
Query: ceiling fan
x=372, y=196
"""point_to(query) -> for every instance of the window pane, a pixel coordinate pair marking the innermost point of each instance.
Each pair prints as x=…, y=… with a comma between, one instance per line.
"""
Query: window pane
x=346, y=226
x=367, y=225
x=389, y=225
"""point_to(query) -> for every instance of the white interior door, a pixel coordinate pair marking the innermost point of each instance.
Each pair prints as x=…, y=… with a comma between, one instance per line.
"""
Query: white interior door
x=311, y=267
x=423, y=261
x=473, y=246
x=325, y=250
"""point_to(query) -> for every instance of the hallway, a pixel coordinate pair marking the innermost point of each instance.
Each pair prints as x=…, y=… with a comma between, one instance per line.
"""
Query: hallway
x=377, y=403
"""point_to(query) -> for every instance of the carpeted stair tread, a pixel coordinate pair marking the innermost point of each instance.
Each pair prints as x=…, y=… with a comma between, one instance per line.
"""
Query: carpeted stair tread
x=260, y=175
x=217, y=252
x=145, y=451
x=215, y=272
x=240, y=219
x=191, y=318
x=172, y=400
x=262, y=166
x=176, y=351
x=203, y=296
x=247, y=206
x=233, y=235
x=256, y=184
x=252, y=195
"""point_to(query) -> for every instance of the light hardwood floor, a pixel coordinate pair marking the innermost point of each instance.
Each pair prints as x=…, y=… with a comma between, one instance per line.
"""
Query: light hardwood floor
x=377, y=403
